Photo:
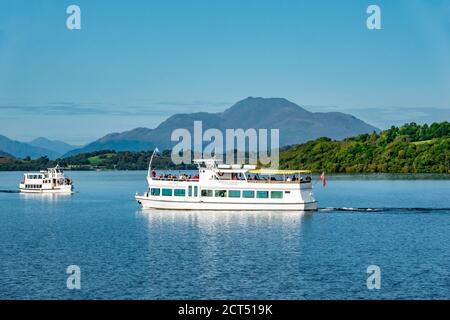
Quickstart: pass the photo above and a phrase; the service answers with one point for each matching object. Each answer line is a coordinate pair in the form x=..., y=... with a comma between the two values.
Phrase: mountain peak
x=58, y=147
x=259, y=104
x=296, y=125
x=21, y=149
x=262, y=113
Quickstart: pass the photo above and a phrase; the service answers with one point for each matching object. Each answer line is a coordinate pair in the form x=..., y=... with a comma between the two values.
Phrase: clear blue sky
x=134, y=63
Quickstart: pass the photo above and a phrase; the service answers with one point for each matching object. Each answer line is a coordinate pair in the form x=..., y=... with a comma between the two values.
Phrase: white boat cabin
x=219, y=186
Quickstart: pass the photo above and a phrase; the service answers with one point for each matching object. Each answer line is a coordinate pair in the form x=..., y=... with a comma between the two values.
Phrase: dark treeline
x=98, y=160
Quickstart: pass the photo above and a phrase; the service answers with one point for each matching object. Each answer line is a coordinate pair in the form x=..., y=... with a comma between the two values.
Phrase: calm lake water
x=399, y=223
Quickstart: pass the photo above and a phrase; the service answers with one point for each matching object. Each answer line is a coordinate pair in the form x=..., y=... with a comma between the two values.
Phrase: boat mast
x=151, y=160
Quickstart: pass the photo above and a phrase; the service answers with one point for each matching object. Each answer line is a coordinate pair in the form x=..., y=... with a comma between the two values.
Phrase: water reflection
x=224, y=250
x=45, y=197
x=208, y=219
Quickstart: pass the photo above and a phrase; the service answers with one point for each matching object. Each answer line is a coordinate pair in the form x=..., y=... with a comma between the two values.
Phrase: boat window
x=221, y=193
x=167, y=192
x=155, y=191
x=207, y=193
x=190, y=191
x=262, y=194
x=195, y=191
x=180, y=192
x=248, y=194
x=276, y=194
x=234, y=193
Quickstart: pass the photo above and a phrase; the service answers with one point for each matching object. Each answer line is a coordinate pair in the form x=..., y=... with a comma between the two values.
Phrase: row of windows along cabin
x=208, y=193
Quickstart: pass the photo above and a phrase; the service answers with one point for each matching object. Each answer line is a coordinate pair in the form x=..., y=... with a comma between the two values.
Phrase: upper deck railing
x=176, y=179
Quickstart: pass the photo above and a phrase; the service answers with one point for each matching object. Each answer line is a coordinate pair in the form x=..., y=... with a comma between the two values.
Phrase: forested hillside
x=411, y=148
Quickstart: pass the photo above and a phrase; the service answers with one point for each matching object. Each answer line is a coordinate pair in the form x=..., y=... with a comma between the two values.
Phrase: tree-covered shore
x=98, y=160
x=411, y=148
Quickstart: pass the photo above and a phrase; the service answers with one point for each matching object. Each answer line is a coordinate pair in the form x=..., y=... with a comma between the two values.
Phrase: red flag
x=322, y=177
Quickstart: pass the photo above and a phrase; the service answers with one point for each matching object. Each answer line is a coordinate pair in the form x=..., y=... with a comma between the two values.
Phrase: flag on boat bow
x=322, y=177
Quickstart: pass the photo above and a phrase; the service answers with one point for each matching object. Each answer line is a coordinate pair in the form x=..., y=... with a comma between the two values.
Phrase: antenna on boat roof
x=151, y=160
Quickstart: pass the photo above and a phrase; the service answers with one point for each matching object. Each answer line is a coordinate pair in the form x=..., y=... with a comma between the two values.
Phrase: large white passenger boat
x=230, y=187
x=51, y=180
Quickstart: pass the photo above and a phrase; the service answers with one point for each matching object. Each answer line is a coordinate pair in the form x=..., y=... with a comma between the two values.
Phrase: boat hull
x=149, y=203
x=67, y=190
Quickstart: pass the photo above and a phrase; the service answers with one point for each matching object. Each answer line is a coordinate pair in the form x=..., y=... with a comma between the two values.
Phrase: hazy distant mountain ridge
x=5, y=154
x=22, y=150
x=54, y=145
x=296, y=125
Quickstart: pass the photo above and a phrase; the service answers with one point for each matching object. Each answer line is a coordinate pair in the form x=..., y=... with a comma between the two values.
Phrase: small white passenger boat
x=230, y=187
x=51, y=180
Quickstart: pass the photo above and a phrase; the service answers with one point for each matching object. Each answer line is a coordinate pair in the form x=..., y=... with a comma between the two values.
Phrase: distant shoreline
x=410, y=149
x=334, y=175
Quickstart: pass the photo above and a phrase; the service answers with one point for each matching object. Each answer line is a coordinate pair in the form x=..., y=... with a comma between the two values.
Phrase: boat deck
x=249, y=181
